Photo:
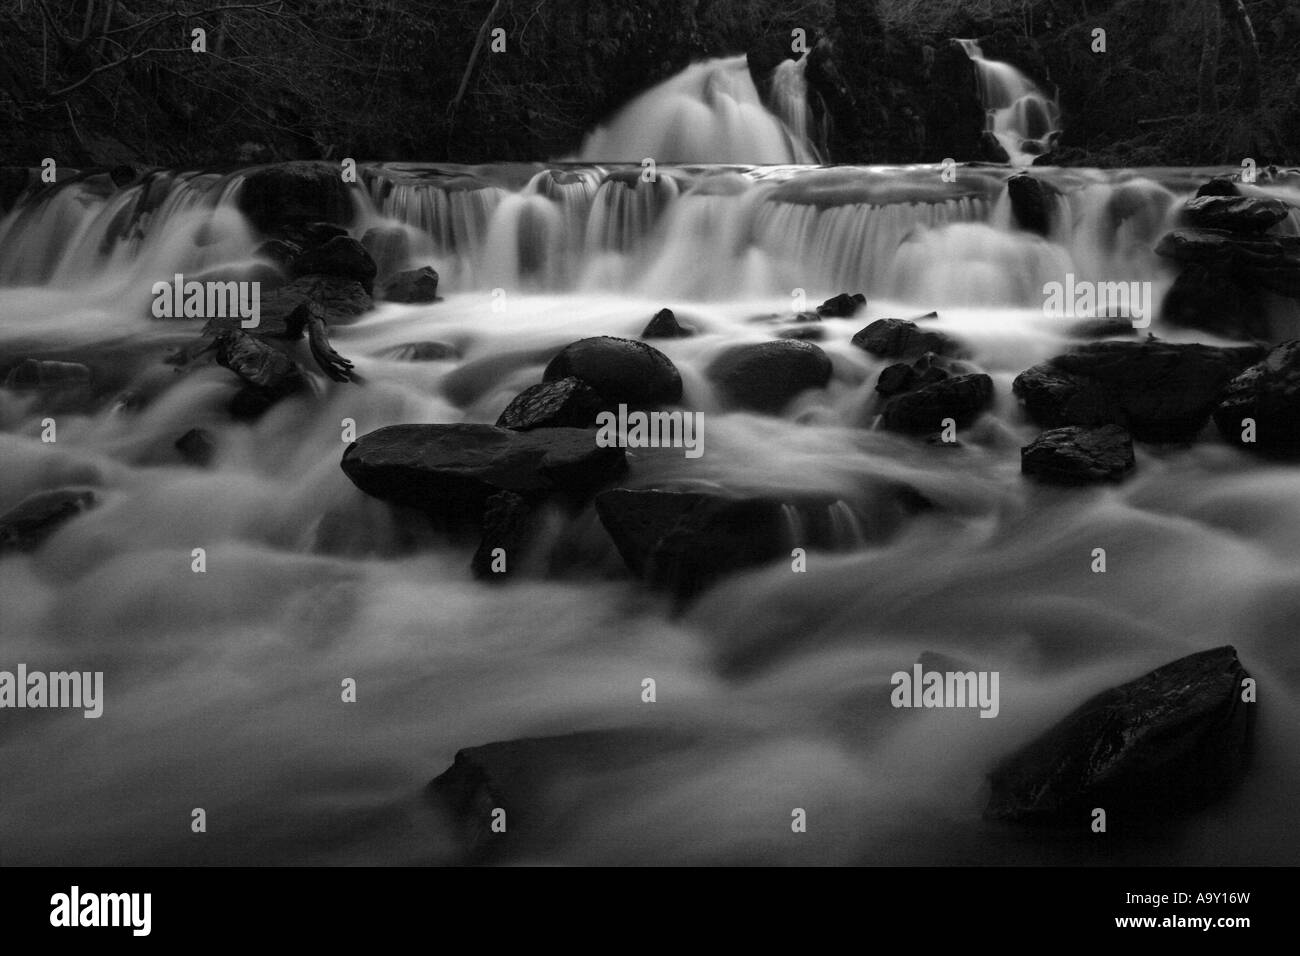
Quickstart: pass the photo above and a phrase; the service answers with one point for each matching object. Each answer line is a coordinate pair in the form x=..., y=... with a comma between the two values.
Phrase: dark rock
x=268, y=373
x=805, y=317
x=565, y=403
x=959, y=397
x=926, y=370
x=542, y=784
x=293, y=194
x=449, y=471
x=197, y=447
x=1219, y=186
x=1205, y=298
x=1031, y=203
x=765, y=377
x=1171, y=741
x=25, y=526
x=1269, y=393
x=896, y=378
x=339, y=299
x=1078, y=456
x=1159, y=391
x=1267, y=261
x=1236, y=213
x=623, y=371
x=1101, y=328
x=898, y=338
x=413, y=285
x=508, y=525
x=280, y=251
x=665, y=326
x=13, y=183
x=842, y=306
x=803, y=333
x=33, y=374
x=313, y=234
x=341, y=258
x=423, y=352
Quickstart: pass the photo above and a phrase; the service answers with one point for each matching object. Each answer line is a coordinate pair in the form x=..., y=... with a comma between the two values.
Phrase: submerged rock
x=803, y=333
x=25, y=526
x=423, y=352
x=197, y=447
x=1101, y=328
x=767, y=376
x=449, y=471
x=412, y=286
x=1269, y=394
x=623, y=371
x=1159, y=391
x=565, y=403
x=900, y=338
x=1078, y=456
x=507, y=526
x=34, y=374
x=1170, y=741
x=342, y=258
x=664, y=325
x=963, y=398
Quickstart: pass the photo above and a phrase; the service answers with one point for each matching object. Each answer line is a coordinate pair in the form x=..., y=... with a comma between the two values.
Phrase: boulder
x=665, y=326
x=1236, y=213
x=268, y=374
x=1206, y=298
x=963, y=398
x=449, y=471
x=341, y=258
x=1218, y=186
x=1168, y=742
x=765, y=377
x=412, y=286
x=1268, y=393
x=1078, y=456
x=623, y=371
x=1031, y=203
x=1159, y=391
x=900, y=338
x=566, y=403
x=293, y=194
x=901, y=377
x=842, y=306
x=25, y=526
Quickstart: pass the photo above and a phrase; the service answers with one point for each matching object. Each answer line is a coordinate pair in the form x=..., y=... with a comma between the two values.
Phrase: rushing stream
x=222, y=689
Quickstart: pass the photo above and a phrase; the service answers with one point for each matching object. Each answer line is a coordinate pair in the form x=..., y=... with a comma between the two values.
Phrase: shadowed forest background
x=100, y=82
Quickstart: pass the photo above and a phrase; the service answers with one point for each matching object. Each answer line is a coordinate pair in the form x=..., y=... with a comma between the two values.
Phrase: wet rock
x=423, y=352
x=665, y=326
x=341, y=258
x=33, y=374
x=269, y=375
x=803, y=333
x=1268, y=393
x=1101, y=328
x=842, y=306
x=623, y=371
x=508, y=526
x=1219, y=186
x=313, y=234
x=449, y=471
x=1236, y=213
x=412, y=286
x=279, y=251
x=902, y=377
x=963, y=398
x=25, y=526
x=1031, y=203
x=197, y=447
x=542, y=784
x=1205, y=298
x=900, y=338
x=1171, y=741
x=765, y=377
x=1159, y=391
x=339, y=299
x=566, y=403
x=896, y=378
x=1078, y=456
x=389, y=246
x=293, y=194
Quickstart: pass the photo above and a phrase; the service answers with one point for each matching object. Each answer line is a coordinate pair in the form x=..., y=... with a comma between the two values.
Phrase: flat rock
x=900, y=338
x=1236, y=213
x=1170, y=741
x=1159, y=391
x=623, y=371
x=765, y=377
x=1078, y=456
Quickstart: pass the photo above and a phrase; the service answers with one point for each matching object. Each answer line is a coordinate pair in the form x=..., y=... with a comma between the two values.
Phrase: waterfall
x=1020, y=115
x=709, y=112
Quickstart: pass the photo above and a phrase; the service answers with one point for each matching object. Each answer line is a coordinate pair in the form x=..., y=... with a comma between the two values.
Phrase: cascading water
x=222, y=688
x=710, y=112
x=1024, y=120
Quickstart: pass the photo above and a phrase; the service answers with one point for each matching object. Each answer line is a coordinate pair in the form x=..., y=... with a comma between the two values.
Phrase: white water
x=223, y=688
x=1022, y=118
x=708, y=113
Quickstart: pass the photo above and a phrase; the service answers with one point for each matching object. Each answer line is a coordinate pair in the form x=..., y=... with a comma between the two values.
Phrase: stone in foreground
x=623, y=371
x=1171, y=741
x=1078, y=456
